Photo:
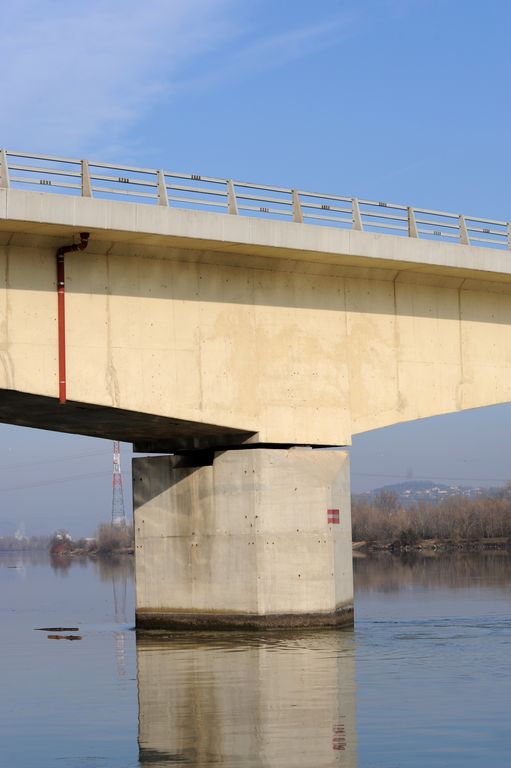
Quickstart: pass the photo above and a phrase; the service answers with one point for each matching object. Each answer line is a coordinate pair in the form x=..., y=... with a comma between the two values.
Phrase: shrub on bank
x=385, y=519
x=111, y=538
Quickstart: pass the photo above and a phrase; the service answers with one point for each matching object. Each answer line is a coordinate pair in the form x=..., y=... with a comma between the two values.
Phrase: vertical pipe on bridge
x=61, y=309
x=61, y=322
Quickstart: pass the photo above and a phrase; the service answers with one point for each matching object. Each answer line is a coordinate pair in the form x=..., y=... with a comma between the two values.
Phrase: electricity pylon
x=118, y=513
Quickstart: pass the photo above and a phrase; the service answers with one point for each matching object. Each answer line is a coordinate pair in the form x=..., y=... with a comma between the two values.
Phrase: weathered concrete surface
x=283, y=333
x=222, y=700
x=245, y=541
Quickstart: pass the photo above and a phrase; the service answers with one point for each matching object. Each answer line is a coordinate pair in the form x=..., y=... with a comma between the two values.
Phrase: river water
x=424, y=679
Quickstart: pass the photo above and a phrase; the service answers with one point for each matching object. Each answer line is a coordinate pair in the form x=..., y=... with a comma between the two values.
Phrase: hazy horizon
x=50, y=480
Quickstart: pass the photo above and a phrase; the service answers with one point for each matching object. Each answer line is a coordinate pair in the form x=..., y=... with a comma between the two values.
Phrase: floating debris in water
x=57, y=629
x=64, y=637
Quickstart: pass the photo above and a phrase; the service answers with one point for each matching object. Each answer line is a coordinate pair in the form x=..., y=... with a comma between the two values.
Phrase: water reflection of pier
x=247, y=700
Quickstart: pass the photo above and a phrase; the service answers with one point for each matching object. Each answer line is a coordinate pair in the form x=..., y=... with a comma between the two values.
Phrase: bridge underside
x=147, y=432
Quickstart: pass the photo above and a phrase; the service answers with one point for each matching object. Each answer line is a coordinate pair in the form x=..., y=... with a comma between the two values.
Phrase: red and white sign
x=333, y=516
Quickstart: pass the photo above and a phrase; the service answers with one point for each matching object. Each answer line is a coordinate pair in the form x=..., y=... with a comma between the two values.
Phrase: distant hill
x=411, y=491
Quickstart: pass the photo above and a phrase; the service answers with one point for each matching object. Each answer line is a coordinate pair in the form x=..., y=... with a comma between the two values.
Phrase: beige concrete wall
x=248, y=535
x=274, y=701
x=299, y=346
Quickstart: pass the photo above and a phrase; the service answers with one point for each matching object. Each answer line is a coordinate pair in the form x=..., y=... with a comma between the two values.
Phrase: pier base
x=259, y=538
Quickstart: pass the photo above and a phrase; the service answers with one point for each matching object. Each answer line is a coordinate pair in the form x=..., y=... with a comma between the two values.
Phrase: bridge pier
x=249, y=538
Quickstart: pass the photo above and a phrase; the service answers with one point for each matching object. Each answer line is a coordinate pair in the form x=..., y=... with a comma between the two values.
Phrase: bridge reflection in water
x=247, y=700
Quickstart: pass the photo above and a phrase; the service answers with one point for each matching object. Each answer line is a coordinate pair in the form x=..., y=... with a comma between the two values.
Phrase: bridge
x=246, y=332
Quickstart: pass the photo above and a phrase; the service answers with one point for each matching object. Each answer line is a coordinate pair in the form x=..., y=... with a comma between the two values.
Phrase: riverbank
x=94, y=553
x=435, y=545
x=456, y=522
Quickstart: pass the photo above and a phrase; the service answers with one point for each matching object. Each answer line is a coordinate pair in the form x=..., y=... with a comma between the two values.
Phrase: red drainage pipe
x=61, y=308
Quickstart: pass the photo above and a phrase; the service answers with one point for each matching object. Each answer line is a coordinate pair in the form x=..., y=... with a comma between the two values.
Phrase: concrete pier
x=252, y=538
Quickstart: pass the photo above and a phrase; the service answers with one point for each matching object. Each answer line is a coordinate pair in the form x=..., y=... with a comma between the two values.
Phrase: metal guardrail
x=24, y=170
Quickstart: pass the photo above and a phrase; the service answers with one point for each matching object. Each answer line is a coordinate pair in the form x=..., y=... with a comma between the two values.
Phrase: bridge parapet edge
x=86, y=178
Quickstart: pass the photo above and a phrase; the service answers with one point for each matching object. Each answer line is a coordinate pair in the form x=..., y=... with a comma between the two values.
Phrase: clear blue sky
x=399, y=100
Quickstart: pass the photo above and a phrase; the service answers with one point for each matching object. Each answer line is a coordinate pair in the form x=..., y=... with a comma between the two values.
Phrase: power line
x=42, y=462
x=435, y=478
x=56, y=481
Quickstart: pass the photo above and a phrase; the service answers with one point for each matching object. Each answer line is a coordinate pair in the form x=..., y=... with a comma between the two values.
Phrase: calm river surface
x=423, y=680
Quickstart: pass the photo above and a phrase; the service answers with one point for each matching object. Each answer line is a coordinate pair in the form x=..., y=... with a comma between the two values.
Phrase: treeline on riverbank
x=109, y=539
x=385, y=521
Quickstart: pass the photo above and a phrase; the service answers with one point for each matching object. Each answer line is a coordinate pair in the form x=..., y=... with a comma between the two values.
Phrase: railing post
x=412, y=223
x=163, y=198
x=232, y=203
x=86, y=182
x=297, y=208
x=464, y=238
x=4, y=170
x=509, y=235
x=357, y=218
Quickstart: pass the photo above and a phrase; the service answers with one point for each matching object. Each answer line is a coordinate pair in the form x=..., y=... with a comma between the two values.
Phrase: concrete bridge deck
x=243, y=264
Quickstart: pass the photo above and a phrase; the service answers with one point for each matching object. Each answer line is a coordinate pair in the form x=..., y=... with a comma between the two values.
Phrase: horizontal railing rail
x=26, y=170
